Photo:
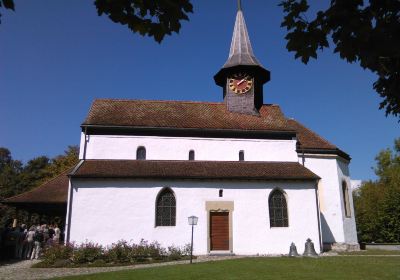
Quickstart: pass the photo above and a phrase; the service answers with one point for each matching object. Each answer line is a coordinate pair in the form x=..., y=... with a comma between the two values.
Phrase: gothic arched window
x=278, y=214
x=165, y=208
x=141, y=153
x=346, y=201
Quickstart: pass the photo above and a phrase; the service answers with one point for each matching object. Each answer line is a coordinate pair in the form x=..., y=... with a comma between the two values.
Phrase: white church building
x=256, y=180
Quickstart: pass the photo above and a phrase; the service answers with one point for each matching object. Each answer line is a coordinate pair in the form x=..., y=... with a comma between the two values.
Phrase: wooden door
x=219, y=231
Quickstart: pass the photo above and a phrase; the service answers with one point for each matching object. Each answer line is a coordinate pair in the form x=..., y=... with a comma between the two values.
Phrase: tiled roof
x=181, y=114
x=201, y=115
x=309, y=140
x=166, y=169
x=53, y=191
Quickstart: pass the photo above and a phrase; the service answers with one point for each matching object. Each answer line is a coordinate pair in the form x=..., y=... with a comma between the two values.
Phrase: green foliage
x=377, y=203
x=147, y=17
x=16, y=178
x=120, y=253
x=361, y=32
x=87, y=253
x=7, y=4
x=55, y=253
x=176, y=253
x=123, y=252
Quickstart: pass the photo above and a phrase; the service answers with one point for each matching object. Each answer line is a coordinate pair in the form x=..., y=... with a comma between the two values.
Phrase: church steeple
x=242, y=61
x=241, y=52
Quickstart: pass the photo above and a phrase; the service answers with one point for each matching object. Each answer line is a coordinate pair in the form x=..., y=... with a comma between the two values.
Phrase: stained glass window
x=278, y=214
x=165, y=208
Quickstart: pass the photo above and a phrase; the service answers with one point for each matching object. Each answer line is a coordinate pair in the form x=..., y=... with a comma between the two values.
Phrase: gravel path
x=22, y=270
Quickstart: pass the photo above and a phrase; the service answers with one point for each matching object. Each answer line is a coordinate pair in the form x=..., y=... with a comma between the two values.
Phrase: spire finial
x=239, y=5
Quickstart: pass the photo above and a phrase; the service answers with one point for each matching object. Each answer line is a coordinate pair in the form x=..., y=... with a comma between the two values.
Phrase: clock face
x=240, y=83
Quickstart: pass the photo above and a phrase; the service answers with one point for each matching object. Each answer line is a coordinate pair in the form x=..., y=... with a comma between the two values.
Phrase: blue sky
x=56, y=57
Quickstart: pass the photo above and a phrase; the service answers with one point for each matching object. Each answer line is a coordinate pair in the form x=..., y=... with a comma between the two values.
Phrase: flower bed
x=120, y=253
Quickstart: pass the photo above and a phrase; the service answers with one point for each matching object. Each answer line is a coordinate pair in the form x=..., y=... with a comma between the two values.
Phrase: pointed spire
x=241, y=52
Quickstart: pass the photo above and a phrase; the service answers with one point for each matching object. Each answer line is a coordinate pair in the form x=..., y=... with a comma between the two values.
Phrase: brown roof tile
x=309, y=140
x=165, y=169
x=201, y=115
x=53, y=191
x=182, y=114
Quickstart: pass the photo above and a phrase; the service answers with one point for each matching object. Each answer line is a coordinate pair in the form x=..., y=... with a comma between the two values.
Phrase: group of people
x=22, y=242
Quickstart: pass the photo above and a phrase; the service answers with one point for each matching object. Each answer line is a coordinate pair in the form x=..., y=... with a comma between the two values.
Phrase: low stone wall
x=341, y=247
x=381, y=246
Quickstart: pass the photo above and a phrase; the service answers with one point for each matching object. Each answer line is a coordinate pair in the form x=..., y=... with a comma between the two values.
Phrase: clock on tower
x=242, y=76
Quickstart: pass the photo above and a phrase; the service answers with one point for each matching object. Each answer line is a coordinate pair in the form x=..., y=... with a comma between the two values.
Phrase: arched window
x=346, y=202
x=241, y=155
x=191, y=155
x=141, y=153
x=278, y=214
x=165, y=208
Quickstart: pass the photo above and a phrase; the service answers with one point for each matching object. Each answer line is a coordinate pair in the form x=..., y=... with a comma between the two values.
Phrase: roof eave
x=202, y=132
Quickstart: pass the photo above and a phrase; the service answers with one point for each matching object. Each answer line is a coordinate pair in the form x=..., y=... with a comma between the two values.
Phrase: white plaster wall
x=349, y=223
x=335, y=226
x=105, y=211
x=177, y=148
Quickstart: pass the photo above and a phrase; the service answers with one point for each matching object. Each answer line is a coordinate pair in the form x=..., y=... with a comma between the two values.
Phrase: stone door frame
x=220, y=206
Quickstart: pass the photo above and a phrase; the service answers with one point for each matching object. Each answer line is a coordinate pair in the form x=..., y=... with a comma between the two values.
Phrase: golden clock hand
x=240, y=82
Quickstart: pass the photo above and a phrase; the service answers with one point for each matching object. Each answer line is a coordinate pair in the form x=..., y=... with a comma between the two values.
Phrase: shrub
x=87, y=253
x=144, y=250
x=155, y=251
x=55, y=253
x=120, y=252
x=176, y=253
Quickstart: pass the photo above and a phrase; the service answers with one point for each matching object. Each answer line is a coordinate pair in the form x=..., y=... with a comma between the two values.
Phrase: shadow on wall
x=327, y=235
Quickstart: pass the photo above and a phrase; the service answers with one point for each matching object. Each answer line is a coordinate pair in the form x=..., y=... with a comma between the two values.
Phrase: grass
x=370, y=253
x=352, y=267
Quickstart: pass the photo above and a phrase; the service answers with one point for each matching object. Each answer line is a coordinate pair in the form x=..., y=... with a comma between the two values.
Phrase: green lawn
x=268, y=268
x=370, y=252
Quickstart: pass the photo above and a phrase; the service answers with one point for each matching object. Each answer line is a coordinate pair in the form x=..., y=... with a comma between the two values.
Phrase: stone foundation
x=341, y=247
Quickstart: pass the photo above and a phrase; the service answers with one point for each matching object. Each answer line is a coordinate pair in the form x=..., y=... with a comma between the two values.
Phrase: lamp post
x=192, y=221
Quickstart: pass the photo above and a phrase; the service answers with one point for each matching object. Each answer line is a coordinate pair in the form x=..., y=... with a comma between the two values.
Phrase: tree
x=146, y=17
x=367, y=33
x=377, y=203
x=16, y=178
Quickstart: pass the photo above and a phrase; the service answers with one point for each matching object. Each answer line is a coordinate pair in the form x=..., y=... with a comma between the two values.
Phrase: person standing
x=29, y=242
x=56, y=236
x=37, y=239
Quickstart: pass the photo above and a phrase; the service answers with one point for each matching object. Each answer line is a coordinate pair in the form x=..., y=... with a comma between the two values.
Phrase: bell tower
x=242, y=77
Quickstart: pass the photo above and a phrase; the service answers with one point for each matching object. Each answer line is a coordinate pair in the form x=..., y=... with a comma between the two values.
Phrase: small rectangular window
x=221, y=193
x=191, y=155
x=241, y=155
